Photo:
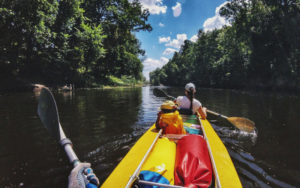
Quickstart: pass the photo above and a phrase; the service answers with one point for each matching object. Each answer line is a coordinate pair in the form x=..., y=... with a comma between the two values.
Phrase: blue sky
x=174, y=21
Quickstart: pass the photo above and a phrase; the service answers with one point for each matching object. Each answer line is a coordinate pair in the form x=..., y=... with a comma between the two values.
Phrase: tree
x=80, y=42
x=119, y=19
x=261, y=48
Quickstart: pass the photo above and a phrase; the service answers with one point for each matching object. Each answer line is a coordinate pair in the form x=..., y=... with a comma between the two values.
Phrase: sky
x=173, y=22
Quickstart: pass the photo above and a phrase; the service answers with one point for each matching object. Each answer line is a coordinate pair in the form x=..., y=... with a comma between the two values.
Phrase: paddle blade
x=241, y=123
x=160, y=93
x=48, y=113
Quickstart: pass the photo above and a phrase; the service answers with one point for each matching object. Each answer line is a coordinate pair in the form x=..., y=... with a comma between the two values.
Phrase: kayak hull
x=161, y=160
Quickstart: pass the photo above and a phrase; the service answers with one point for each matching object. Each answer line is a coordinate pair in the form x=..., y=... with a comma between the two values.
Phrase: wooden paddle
x=48, y=113
x=241, y=123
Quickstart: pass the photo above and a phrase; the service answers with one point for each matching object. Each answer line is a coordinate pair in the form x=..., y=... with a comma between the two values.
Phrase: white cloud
x=176, y=43
x=164, y=39
x=177, y=10
x=154, y=6
x=217, y=21
x=169, y=51
x=194, y=38
x=152, y=64
x=161, y=24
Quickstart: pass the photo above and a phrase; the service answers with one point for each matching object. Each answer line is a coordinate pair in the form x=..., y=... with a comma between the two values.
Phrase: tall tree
x=119, y=19
x=261, y=48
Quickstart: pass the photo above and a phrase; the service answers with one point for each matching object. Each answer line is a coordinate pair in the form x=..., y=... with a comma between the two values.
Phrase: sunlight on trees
x=260, y=49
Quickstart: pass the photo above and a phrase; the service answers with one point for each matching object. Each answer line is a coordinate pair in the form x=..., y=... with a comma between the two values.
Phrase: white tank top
x=184, y=102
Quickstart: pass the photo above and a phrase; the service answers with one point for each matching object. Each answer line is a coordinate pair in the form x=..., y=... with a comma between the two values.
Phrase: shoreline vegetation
x=18, y=85
x=70, y=42
x=260, y=49
x=21, y=86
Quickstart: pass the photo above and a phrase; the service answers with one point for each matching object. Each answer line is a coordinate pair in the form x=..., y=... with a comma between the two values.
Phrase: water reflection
x=274, y=144
x=104, y=124
x=252, y=171
x=68, y=95
x=252, y=175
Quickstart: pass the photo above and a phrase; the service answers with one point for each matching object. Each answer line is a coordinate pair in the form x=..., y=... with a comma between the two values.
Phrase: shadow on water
x=250, y=171
x=104, y=124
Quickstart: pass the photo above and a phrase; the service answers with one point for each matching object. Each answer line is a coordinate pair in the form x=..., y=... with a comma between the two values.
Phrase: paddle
x=160, y=93
x=241, y=123
x=48, y=113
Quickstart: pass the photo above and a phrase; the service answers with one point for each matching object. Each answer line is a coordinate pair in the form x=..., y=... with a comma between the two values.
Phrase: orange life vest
x=171, y=123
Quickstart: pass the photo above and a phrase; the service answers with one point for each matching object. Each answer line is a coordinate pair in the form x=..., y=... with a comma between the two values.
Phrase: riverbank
x=8, y=85
x=19, y=85
x=22, y=86
x=26, y=86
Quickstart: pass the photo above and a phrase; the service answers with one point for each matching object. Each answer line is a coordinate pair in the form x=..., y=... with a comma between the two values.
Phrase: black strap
x=185, y=111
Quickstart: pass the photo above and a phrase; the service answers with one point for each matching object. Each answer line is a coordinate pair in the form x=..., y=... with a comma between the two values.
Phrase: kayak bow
x=160, y=162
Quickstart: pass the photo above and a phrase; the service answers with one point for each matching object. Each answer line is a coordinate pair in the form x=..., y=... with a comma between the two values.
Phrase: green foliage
x=119, y=19
x=70, y=41
x=260, y=49
x=123, y=81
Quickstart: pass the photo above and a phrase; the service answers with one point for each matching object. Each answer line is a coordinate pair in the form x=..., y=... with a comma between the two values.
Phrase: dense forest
x=261, y=49
x=83, y=42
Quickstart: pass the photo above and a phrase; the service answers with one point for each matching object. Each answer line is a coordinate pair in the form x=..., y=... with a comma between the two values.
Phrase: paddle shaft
x=216, y=114
x=48, y=113
x=67, y=145
x=134, y=176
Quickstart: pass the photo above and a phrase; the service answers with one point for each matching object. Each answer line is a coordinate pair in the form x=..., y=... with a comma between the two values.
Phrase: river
x=104, y=124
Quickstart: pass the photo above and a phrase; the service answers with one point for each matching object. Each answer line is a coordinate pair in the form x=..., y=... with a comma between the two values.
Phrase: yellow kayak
x=154, y=156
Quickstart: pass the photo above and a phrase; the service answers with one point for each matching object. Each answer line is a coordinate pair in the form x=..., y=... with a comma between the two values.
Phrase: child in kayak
x=185, y=105
x=169, y=119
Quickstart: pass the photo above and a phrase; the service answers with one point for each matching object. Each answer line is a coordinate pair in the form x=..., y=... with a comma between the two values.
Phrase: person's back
x=185, y=105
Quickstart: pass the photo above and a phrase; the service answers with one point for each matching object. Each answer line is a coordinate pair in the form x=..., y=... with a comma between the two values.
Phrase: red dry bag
x=193, y=166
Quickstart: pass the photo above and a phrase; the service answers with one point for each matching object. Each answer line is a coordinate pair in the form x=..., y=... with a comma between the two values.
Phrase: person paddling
x=185, y=105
